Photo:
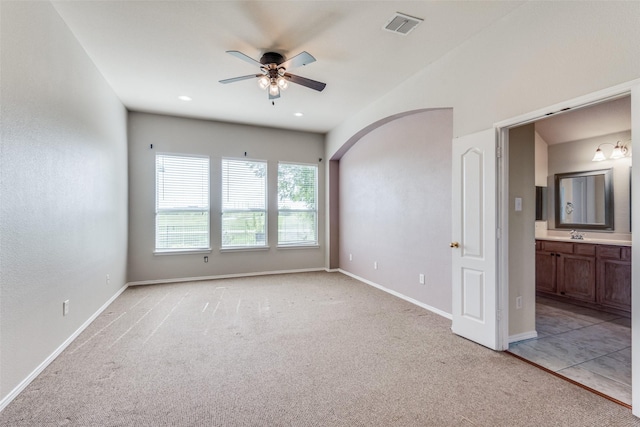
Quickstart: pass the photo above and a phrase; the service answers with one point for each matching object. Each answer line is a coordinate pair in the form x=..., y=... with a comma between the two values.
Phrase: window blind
x=244, y=203
x=182, y=202
x=297, y=204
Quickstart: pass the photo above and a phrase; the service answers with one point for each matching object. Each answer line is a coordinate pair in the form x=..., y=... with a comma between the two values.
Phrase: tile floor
x=588, y=346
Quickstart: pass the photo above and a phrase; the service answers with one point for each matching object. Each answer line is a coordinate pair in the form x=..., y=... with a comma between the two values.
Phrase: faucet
x=576, y=235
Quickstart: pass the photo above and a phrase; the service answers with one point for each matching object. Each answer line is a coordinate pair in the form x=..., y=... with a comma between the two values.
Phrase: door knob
x=454, y=245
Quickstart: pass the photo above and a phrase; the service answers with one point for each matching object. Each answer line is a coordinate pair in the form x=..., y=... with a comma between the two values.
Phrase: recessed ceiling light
x=184, y=98
x=298, y=114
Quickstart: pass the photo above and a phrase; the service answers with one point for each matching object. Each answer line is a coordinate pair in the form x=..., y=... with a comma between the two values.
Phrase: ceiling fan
x=273, y=72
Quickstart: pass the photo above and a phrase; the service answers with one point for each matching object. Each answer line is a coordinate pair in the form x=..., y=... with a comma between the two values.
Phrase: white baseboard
x=399, y=295
x=223, y=276
x=523, y=336
x=24, y=383
x=332, y=270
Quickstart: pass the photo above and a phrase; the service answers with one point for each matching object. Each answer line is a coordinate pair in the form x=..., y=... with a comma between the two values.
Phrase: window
x=244, y=203
x=297, y=204
x=182, y=202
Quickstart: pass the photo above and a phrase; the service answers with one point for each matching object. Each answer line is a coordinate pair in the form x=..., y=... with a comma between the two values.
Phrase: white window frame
x=304, y=210
x=204, y=208
x=226, y=210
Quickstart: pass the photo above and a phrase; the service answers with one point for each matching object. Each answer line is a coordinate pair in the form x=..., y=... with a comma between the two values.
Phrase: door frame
x=502, y=130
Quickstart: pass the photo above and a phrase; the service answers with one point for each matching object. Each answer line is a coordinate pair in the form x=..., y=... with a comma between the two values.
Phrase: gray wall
x=522, y=230
x=63, y=188
x=576, y=157
x=216, y=140
x=395, y=207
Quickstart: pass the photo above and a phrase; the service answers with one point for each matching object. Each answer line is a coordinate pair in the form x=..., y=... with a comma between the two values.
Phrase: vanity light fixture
x=619, y=151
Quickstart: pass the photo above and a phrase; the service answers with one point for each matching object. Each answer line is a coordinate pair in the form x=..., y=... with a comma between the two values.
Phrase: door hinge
x=499, y=315
x=499, y=152
x=498, y=233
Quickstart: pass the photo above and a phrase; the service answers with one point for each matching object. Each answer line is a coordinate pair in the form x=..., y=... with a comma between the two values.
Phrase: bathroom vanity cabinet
x=593, y=275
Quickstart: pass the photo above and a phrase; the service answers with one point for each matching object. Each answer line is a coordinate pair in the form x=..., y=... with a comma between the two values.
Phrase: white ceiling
x=597, y=120
x=151, y=52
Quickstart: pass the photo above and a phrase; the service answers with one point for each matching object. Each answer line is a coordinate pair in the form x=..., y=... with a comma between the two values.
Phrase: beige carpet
x=314, y=349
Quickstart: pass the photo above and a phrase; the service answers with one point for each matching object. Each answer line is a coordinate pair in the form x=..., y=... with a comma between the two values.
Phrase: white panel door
x=473, y=243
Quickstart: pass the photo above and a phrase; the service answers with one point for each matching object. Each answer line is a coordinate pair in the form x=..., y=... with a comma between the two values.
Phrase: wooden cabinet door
x=615, y=284
x=546, y=272
x=577, y=277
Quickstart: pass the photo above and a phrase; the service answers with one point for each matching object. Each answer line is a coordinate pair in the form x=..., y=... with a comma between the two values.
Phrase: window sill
x=162, y=252
x=244, y=248
x=300, y=246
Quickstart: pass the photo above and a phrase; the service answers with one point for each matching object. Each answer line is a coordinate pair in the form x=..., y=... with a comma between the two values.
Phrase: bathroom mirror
x=584, y=200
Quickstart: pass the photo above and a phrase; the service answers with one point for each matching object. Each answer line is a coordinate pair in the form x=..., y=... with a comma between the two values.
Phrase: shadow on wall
x=394, y=205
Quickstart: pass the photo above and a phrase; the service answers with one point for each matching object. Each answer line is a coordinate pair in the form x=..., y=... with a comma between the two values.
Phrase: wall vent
x=402, y=24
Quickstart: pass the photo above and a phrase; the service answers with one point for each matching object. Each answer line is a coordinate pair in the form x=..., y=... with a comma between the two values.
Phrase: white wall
x=216, y=140
x=63, y=189
x=395, y=204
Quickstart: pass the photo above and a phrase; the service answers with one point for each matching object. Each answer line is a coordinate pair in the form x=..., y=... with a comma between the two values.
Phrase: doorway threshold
x=556, y=374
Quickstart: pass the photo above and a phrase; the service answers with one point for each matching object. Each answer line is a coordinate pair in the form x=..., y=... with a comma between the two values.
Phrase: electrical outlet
x=108, y=279
x=518, y=303
x=421, y=278
x=375, y=265
x=206, y=259
x=350, y=257
x=65, y=307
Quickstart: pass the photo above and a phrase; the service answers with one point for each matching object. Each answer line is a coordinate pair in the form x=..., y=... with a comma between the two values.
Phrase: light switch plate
x=518, y=204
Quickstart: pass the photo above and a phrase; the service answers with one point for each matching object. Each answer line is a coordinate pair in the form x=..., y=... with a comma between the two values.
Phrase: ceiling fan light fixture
x=274, y=77
x=264, y=82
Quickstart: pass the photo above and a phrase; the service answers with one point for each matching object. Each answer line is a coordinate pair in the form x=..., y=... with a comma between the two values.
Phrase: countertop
x=617, y=239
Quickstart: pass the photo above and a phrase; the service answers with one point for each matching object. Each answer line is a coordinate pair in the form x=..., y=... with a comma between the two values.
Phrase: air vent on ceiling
x=402, y=24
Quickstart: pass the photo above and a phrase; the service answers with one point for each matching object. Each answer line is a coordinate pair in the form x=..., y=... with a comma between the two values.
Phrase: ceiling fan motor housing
x=271, y=58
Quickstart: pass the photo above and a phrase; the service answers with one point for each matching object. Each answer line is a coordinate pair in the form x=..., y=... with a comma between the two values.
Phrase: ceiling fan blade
x=244, y=57
x=237, y=79
x=311, y=84
x=303, y=58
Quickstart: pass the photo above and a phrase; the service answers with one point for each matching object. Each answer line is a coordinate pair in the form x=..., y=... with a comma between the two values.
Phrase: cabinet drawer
x=564, y=247
x=584, y=249
x=609, y=252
